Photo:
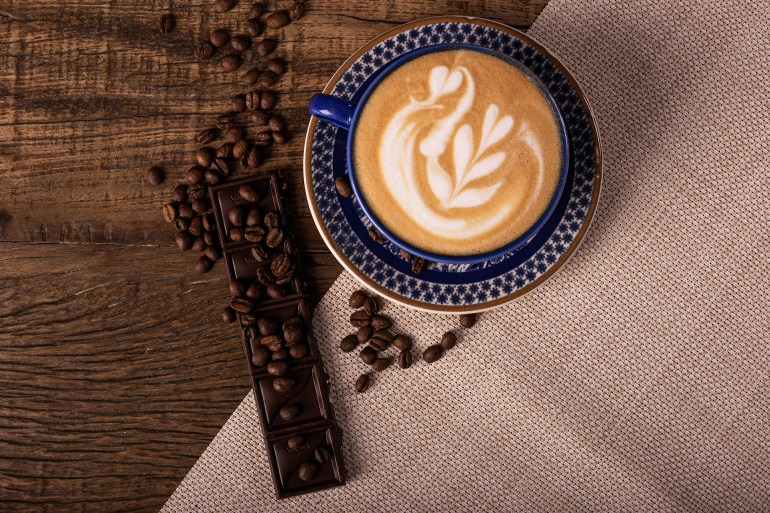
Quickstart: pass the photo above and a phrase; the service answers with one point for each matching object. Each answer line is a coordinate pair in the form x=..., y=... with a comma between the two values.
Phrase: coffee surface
x=457, y=152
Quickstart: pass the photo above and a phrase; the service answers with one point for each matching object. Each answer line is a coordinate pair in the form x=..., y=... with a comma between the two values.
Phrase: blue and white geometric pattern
x=453, y=284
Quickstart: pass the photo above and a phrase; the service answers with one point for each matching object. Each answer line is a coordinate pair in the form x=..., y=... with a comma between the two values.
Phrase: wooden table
x=115, y=368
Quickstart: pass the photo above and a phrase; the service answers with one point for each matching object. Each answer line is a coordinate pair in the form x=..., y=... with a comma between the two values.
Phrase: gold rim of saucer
x=448, y=309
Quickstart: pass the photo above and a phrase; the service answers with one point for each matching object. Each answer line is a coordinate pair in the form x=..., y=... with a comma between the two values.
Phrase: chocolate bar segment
x=290, y=382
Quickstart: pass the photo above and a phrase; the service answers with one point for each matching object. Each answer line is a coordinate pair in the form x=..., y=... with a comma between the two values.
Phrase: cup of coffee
x=456, y=154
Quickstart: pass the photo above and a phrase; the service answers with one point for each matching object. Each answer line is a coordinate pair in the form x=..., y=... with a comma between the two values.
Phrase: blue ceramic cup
x=344, y=114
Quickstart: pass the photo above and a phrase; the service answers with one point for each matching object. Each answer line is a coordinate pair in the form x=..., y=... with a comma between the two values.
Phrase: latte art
x=465, y=161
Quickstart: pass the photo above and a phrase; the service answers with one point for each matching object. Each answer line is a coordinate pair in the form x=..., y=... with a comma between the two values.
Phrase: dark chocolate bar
x=290, y=383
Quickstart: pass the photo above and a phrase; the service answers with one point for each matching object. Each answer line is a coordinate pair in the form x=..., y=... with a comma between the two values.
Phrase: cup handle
x=332, y=109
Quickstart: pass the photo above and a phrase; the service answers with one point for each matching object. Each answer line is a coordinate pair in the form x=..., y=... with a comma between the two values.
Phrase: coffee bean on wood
x=166, y=23
x=278, y=19
x=221, y=6
x=297, y=10
x=155, y=175
x=203, y=265
x=254, y=27
x=219, y=37
x=240, y=43
x=180, y=193
x=203, y=50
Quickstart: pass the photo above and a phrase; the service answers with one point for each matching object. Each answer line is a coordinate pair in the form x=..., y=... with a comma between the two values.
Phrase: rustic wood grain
x=115, y=370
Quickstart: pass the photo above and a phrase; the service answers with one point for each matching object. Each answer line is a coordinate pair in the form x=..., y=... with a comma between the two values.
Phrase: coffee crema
x=457, y=152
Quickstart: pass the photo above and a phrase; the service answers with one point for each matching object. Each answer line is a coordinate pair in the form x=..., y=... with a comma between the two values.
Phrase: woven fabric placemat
x=638, y=378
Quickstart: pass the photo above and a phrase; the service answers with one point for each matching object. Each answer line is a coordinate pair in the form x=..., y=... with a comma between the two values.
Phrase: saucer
x=452, y=288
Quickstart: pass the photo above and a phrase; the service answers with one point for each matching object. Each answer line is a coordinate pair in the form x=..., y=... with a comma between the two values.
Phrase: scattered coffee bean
x=260, y=117
x=210, y=239
x=254, y=233
x=467, y=320
x=248, y=320
x=283, y=384
x=263, y=138
x=240, y=43
x=280, y=265
x=254, y=218
x=196, y=191
x=274, y=238
x=277, y=66
x=298, y=351
x=185, y=210
x=238, y=288
x=289, y=412
x=322, y=454
x=254, y=291
x=254, y=157
x=199, y=245
x=223, y=5
x=219, y=37
x=307, y=471
x=433, y=353
x=203, y=265
x=166, y=23
x=259, y=253
x=225, y=121
x=343, y=186
x=231, y=62
x=277, y=368
x=448, y=340
x=203, y=50
x=349, y=343
x=184, y=240
x=294, y=442
x=405, y=359
x=278, y=19
x=248, y=193
x=284, y=278
x=200, y=206
x=271, y=220
x=206, y=136
x=170, y=212
x=242, y=304
x=225, y=151
x=252, y=100
x=360, y=318
x=260, y=357
x=254, y=27
x=368, y=355
x=380, y=322
x=281, y=354
x=402, y=342
x=256, y=10
x=266, y=326
x=233, y=135
x=236, y=216
x=268, y=100
x=155, y=175
x=196, y=226
x=279, y=138
x=272, y=342
x=292, y=335
x=182, y=224
x=236, y=234
x=212, y=253
x=228, y=315
x=266, y=78
x=380, y=364
x=180, y=193
x=297, y=10
x=405, y=254
x=238, y=103
x=264, y=47
x=240, y=148
x=362, y=383
x=204, y=156
x=375, y=234
x=292, y=322
x=363, y=334
x=419, y=265
x=357, y=299
x=263, y=276
x=276, y=124
x=194, y=174
x=370, y=305
x=275, y=292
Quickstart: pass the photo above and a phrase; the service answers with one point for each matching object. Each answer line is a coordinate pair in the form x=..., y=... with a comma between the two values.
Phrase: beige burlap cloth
x=638, y=378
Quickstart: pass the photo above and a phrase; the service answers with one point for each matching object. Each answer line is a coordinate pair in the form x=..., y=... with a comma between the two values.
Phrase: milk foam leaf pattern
x=439, y=181
x=463, y=149
x=473, y=197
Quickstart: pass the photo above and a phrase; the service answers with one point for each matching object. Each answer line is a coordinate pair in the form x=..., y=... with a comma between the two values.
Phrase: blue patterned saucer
x=452, y=288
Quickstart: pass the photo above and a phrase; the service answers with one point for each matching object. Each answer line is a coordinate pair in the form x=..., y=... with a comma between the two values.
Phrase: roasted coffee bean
x=274, y=238
x=256, y=10
x=277, y=66
x=419, y=265
x=288, y=247
x=194, y=174
x=362, y=383
x=254, y=291
x=271, y=220
x=203, y=50
x=405, y=359
x=308, y=471
x=233, y=135
x=236, y=216
x=297, y=10
x=292, y=335
x=379, y=345
x=196, y=226
x=284, y=279
x=203, y=265
x=283, y=384
x=252, y=100
x=259, y=253
x=289, y=412
x=275, y=291
x=467, y=320
x=231, y=62
x=238, y=103
x=182, y=224
x=360, y=318
x=402, y=342
x=381, y=322
x=225, y=121
x=433, y=353
x=272, y=342
x=375, y=234
x=228, y=314
x=260, y=356
x=280, y=265
x=268, y=100
x=295, y=321
x=278, y=19
x=370, y=305
x=264, y=277
x=180, y=193
x=235, y=234
x=381, y=340
x=240, y=43
x=260, y=117
x=212, y=253
x=225, y=151
x=363, y=334
x=254, y=218
x=265, y=47
x=263, y=138
x=199, y=245
x=237, y=288
x=223, y=5
x=204, y=156
x=242, y=304
x=208, y=221
x=219, y=37
x=294, y=442
x=368, y=355
x=383, y=334
x=196, y=191
x=240, y=148
x=298, y=351
x=254, y=233
x=267, y=326
x=184, y=240
x=254, y=157
x=248, y=320
x=200, y=206
x=166, y=23
x=276, y=124
x=357, y=299
x=155, y=175
x=404, y=254
x=349, y=343
x=248, y=193
x=210, y=239
x=250, y=78
x=170, y=212
x=185, y=210
x=254, y=27
x=266, y=79
x=281, y=354
x=448, y=340
x=279, y=368
x=279, y=137
x=322, y=454
x=206, y=136
x=343, y=186
x=380, y=364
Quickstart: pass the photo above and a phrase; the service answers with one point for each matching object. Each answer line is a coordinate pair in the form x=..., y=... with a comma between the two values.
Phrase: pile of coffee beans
x=274, y=344
x=373, y=332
